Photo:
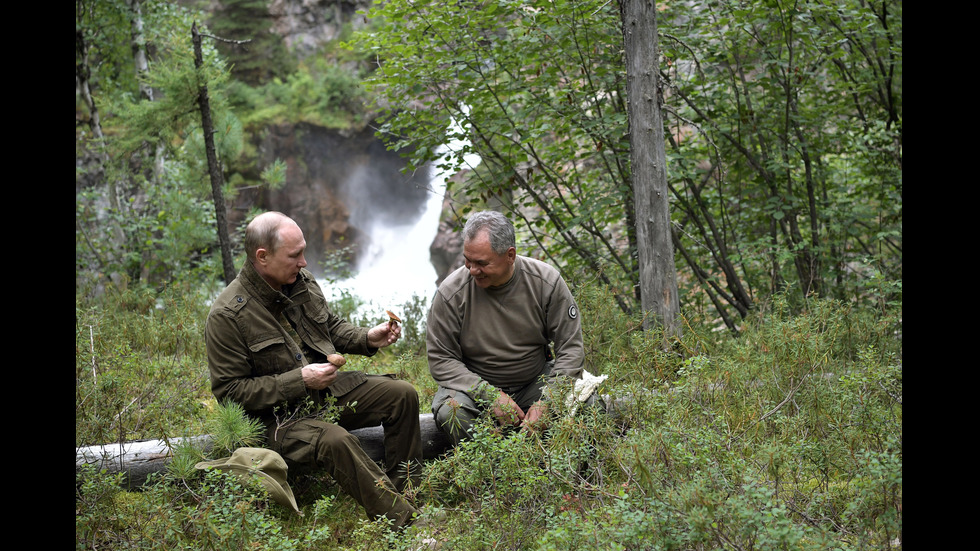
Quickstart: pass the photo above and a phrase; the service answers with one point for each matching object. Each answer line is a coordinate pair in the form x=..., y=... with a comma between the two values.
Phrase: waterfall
x=397, y=265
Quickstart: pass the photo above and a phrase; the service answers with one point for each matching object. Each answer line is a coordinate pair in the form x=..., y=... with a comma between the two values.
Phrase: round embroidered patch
x=572, y=312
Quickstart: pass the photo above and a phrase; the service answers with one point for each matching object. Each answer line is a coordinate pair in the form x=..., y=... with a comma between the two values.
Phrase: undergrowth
x=788, y=436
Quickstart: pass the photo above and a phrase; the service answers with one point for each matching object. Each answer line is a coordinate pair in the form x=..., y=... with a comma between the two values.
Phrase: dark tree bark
x=655, y=249
x=214, y=168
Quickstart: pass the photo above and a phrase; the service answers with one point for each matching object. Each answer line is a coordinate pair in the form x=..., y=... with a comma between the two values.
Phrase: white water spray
x=397, y=265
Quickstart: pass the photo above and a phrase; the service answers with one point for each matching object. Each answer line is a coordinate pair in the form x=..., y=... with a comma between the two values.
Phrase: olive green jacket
x=251, y=357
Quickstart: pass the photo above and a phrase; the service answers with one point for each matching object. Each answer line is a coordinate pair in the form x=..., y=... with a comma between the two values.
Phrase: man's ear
x=261, y=255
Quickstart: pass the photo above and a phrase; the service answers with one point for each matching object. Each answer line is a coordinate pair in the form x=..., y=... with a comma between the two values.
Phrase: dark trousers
x=312, y=443
x=455, y=412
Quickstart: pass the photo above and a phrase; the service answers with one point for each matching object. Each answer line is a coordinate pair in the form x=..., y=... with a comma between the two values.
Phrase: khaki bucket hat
x=268, y=465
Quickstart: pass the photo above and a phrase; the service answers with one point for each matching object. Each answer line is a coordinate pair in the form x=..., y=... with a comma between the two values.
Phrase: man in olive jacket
x=269, y=335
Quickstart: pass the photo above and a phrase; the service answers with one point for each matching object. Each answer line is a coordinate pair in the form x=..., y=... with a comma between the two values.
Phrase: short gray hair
x=499, y=229
x=263, y=232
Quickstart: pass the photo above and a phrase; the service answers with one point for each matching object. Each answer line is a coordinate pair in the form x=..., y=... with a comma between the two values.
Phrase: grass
x=786, y=437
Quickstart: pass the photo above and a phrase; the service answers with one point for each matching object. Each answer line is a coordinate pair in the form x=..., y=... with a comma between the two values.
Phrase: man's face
x=282, y=267
x=487, y=268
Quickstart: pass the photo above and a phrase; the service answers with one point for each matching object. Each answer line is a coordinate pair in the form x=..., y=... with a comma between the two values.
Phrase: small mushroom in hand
x=336, y=359
x=393, y=318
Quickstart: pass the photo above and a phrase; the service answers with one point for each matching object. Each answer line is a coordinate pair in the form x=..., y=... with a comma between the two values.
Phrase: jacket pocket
x=346, y=382
x=297, y=443
x=269, y=355
x=316, y=310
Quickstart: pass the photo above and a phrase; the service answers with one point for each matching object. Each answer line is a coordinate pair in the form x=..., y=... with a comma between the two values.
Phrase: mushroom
x=393, y=318
x=336, y=359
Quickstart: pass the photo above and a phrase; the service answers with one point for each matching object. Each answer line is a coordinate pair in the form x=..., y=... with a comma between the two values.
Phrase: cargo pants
x=455, y=412
x=315, y=444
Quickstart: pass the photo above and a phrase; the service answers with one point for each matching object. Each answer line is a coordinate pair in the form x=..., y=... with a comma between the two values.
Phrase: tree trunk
x=214, y=168
x=655, y=249
x=141, y=60
x=137, y=44
x=139, y=459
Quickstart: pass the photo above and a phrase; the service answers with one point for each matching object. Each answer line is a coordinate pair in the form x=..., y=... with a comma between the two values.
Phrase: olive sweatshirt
x=479, y=340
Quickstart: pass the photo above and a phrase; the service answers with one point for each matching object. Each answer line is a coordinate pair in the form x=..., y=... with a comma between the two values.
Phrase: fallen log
x=138, y=459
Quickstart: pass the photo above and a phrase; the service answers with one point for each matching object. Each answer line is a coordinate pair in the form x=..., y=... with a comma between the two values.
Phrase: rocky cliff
x=305, y=25
x=339, y=183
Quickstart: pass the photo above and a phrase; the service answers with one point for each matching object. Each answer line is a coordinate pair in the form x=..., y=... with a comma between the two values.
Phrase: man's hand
x=534, y=420
x=384, y=334
x=319, y=376
x=506, y=410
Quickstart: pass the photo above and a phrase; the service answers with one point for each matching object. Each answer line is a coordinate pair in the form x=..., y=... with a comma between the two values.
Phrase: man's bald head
x=263, y=232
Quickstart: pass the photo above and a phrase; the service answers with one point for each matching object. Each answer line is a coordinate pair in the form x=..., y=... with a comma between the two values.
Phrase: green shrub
x=140, y=370
x=788, y=436
x=231, y=428
x=318, y=93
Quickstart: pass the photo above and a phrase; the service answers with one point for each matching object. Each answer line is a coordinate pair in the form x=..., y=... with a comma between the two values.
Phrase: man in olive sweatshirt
x=490, y=329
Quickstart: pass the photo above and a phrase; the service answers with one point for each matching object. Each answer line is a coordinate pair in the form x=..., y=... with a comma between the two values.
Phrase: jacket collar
x=272, y=299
